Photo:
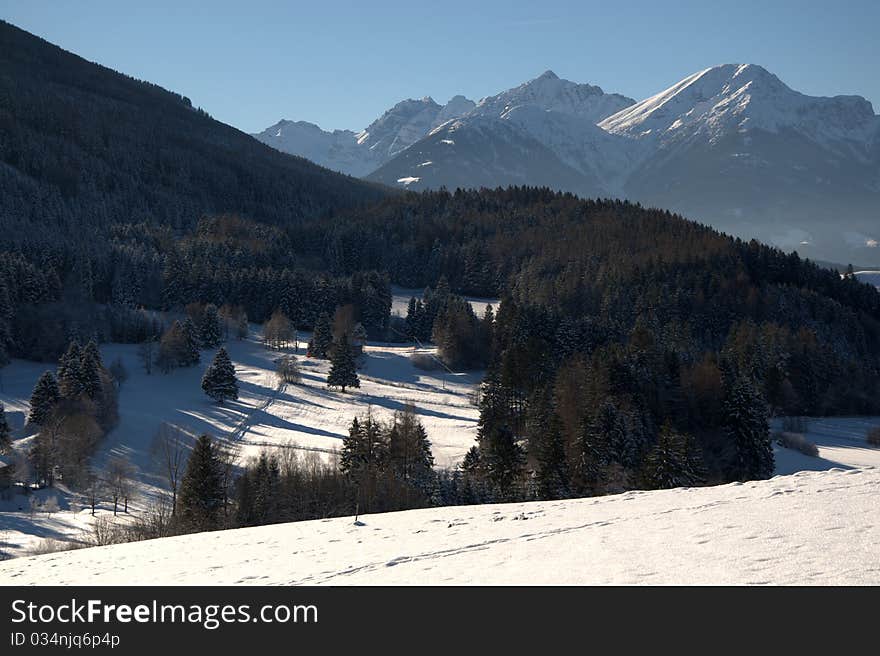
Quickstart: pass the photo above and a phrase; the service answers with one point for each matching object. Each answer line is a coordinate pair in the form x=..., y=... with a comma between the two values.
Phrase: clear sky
x=341, y=64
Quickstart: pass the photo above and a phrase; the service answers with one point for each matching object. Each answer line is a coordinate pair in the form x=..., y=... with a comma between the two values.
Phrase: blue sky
x=341, y=64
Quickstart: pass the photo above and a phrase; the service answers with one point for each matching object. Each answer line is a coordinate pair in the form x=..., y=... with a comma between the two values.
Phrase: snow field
x=807, y=528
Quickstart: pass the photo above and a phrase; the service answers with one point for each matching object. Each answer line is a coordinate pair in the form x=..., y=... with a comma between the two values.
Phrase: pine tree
x=5, y=433
x=90, y=366
x=471, y=463
x=672, y=462
x=201, y=488
x=189, y=354
x=70, y=381
x=343, y=368
x=322, y=337
x=219, y=381
x=265, y=488
x=210, y=333
x=44, y=398
x=594, y=452
x=244, y=511
x=409, y=453
x=747, y=426
x=363, y=457
x=349, y=456
x=552, y=474
x=503, y=459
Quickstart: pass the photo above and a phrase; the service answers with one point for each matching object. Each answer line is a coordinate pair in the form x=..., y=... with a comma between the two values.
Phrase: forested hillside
x=90, y=157
x=632, y=347
x=83, y=147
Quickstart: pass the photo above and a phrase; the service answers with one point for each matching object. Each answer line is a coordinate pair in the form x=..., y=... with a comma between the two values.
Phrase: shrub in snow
x=874, y=437
x=424, y=361
x=798, y=442
x=287, y=369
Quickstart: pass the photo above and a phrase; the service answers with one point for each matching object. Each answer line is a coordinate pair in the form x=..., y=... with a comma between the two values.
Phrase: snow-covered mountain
x=542, y=132
x=336, y=150
x=731, y=146
x=734, y=146
x=360, y=153
x=479, y=151
x=740, y=98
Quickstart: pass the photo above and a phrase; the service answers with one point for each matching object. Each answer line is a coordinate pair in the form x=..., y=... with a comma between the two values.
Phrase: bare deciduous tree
x=147, y=354
x=170, y=448
x=118, y=479
x=93, y=490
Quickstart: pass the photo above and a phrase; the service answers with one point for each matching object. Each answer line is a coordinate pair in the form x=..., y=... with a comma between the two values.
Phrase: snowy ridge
x=808, y=528
x=552, y=94
x=742, y=97
x=359, y=153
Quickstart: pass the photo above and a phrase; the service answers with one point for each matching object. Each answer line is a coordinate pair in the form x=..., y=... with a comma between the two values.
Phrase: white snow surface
x=808, y=528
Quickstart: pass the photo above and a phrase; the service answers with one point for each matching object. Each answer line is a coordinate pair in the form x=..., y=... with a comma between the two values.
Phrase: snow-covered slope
x=735, y=147
x=336, y=150
x=306, y=416
x=872, y=277
x=542, y=132
x=740, y=98
x=809, y=528
x=481, y=151
x=552, y=94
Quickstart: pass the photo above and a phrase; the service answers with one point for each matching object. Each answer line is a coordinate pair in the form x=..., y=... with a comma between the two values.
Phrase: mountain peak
x=548, y=75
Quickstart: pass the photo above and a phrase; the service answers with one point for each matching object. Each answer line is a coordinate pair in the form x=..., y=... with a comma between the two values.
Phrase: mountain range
x=731, y=146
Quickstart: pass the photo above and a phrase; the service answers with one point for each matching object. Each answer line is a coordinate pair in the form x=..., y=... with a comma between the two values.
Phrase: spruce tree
x=201, y=488
x=673, y=462
x=594, y=451
x=44, y=398
x=244, y=511
x=265, y=489
x=5, y=433
x=349, y=456
x=219, y=381
x=503, y=459
x=409, y=453
x=321, y=343
x=189, y=354
x=552, y=474
x=210, y=333
x=747, y=427
x=343, y=368
x=70, y=381
x=363, y=457
x=470, y=465
x=90, y=366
